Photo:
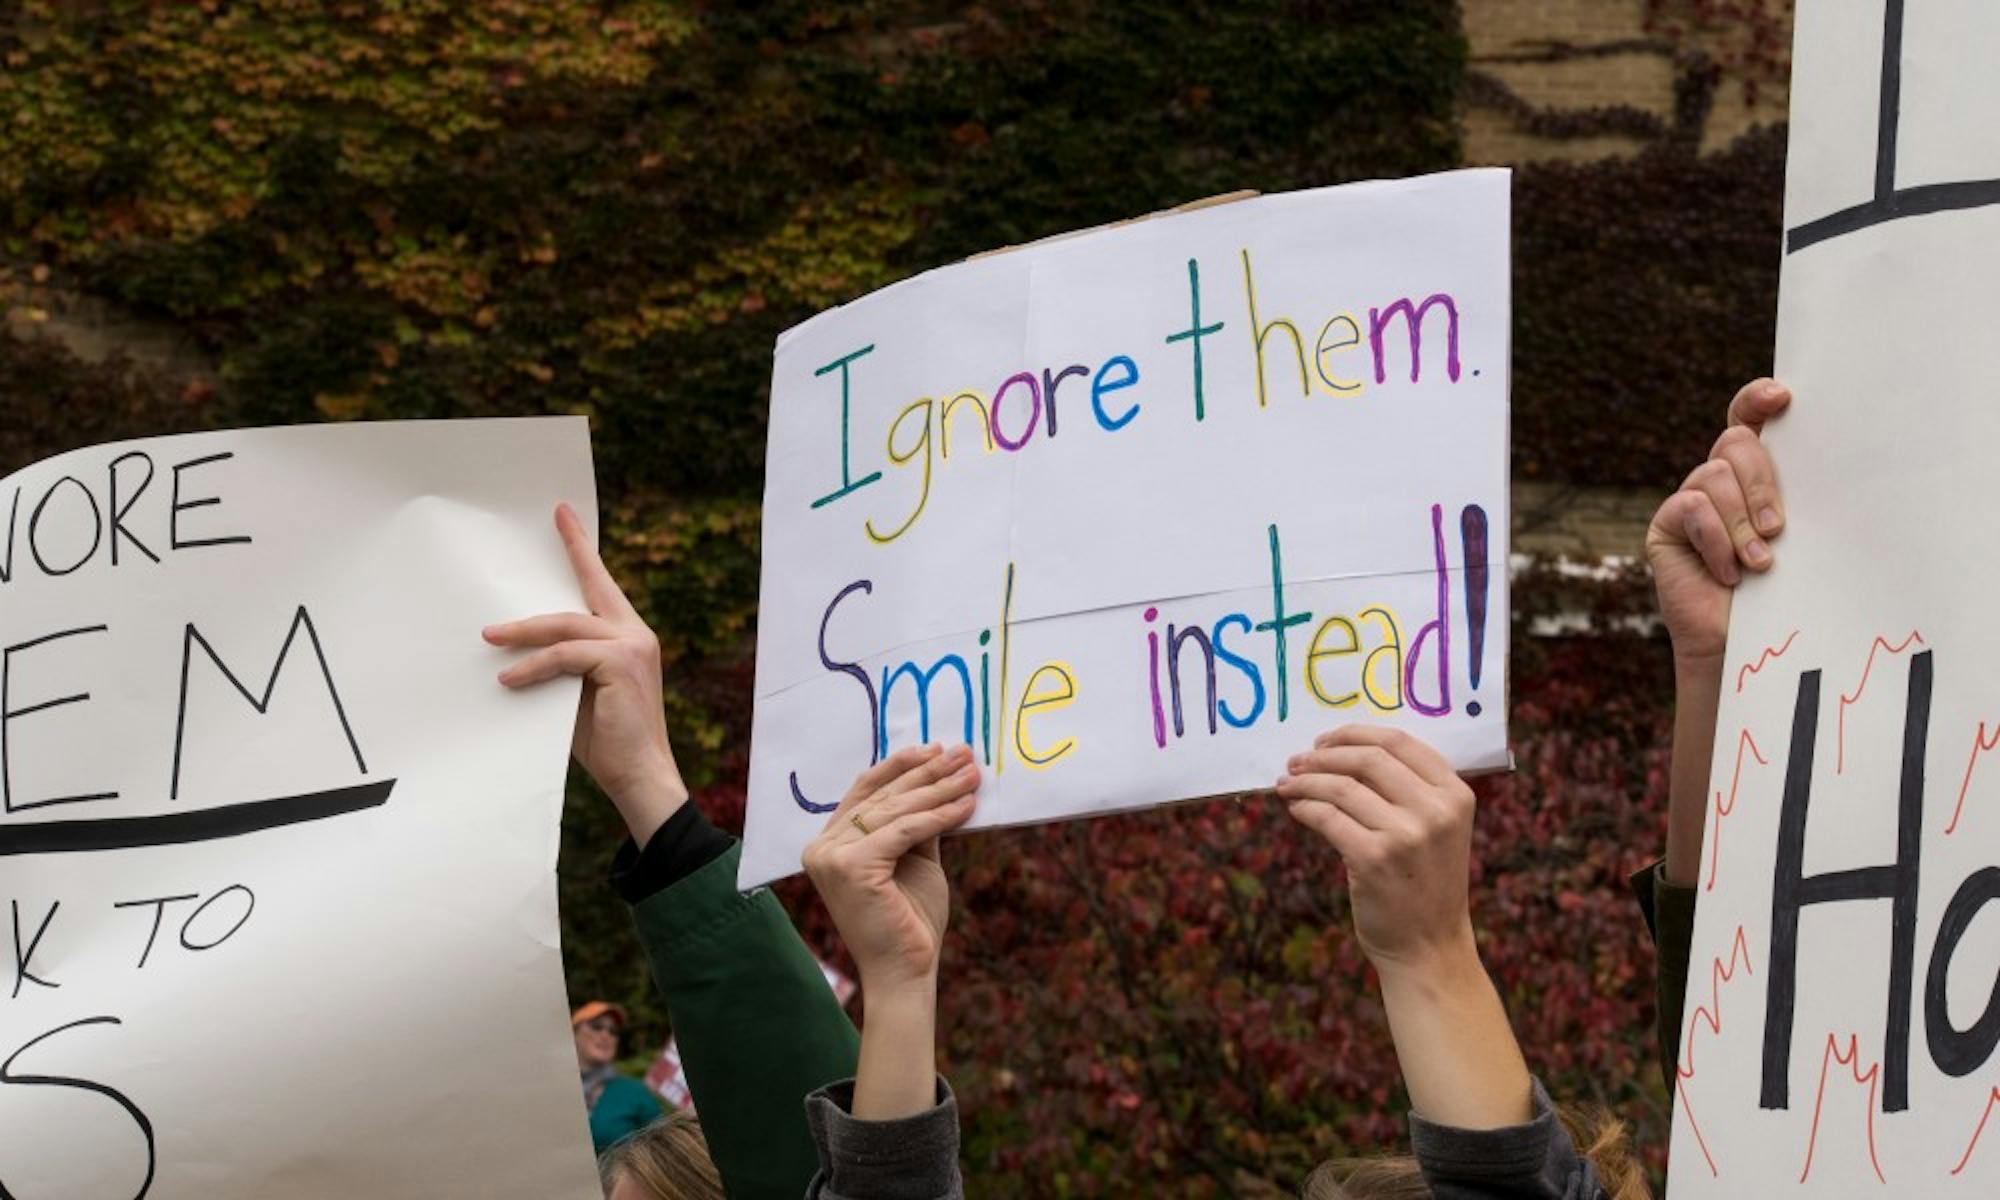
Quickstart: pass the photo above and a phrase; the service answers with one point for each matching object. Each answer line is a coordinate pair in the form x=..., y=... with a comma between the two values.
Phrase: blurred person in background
x=619, y=1105
x=667, y=1160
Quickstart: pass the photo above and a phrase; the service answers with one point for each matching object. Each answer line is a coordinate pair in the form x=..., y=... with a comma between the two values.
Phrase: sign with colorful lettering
x=277, y=851
x=1842, y=1010
x=1137, y=512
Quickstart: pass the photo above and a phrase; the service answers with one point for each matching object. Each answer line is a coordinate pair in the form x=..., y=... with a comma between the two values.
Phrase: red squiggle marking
x=1980, y=745
x=1770, y=652
x=1872, y=1077
x=1840, y=756
x=1992, y=1099
x=1722, y=808
x=1709, y=1014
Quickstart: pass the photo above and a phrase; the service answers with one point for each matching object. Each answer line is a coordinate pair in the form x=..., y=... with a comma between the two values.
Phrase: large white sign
x=1842, y=1011
x=1137, y=512
x=277, y=852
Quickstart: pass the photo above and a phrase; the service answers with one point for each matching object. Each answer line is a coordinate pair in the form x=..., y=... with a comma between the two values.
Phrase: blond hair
x=668, y=1158
x=1599, y=1137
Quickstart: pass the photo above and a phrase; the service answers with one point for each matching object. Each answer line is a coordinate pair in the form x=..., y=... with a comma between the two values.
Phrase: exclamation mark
x=1472, y=532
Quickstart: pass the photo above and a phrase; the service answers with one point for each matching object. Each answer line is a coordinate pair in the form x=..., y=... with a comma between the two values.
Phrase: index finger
x=1756, y=475
x=1758, y=402
x=1412, y=751
x=600, y=591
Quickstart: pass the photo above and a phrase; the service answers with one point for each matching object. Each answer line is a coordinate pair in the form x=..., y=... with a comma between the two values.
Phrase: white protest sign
x=1138, y=512
x=1842, y=1011
x=277, y=851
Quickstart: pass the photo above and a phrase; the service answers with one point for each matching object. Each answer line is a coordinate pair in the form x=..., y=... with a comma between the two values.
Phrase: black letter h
x=1792, y=890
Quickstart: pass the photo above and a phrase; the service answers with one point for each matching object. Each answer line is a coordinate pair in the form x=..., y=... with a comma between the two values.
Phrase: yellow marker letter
x=1324, y=349
x=1258, y=334
x=1314, y=653
x=922, y=447
x=978, y=403
x=1060, y=695
x=1394, y=649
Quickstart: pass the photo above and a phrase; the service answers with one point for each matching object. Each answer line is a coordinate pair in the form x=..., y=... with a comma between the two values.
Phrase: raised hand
x=1401, y=819
x=876, y=866
x=621, y=726
x=1718, y=525
x=1703, y=538
x=876, y=862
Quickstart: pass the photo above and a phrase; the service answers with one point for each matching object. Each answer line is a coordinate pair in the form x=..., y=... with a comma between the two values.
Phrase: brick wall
x=1574, y=56
x=1596, y=64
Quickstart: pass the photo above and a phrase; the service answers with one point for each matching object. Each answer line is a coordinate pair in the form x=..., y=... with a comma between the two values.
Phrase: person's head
x=667, y=1160
x=1599, y=1137
x=597, y=1026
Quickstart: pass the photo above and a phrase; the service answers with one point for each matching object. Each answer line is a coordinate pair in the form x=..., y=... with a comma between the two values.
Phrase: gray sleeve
x=1535, y=1161
x=914, y=1158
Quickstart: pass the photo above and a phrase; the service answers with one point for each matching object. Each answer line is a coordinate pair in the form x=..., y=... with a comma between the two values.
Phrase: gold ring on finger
x=855, y=817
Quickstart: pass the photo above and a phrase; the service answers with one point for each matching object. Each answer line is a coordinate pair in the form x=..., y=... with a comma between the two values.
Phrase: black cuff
x=1641, y=883
x=679, y=848
x=910, y=1158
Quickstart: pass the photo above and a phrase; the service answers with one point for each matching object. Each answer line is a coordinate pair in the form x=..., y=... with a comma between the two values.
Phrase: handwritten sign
x=1137, y=512
x=1842, y=1008
x=277, y=854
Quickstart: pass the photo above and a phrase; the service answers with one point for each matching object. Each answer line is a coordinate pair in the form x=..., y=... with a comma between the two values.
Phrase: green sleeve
x=1669, y=913
x=757, y=1025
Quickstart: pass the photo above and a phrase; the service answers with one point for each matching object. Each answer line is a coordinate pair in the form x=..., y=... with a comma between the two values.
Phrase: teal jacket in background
x=624, y=1108
x=757, y=1025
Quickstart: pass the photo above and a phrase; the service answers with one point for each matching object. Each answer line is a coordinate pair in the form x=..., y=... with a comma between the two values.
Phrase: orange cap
x=596, y=1009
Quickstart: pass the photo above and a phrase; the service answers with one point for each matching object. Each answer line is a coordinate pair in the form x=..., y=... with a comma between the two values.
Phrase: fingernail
x=1773, y=389
x=1768, y=520
x=1758, y=554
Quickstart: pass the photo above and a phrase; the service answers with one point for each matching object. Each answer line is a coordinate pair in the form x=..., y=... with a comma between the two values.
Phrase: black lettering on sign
x=119, y=511
x=24, y=949
x=180, y=506
x=9, y=714
x=1792, y=891
x=1959, y=1052
x=1890, y=202
x=249, y=901
x=213, y=932
x=301, y=620
x=9, y=1078
x=159, y=904
x=35, y=528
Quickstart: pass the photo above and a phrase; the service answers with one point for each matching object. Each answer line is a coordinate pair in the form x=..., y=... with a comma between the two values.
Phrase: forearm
x=1697, y=695
x=1460, y=1061
x=897, y=1076
x=647, y=799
